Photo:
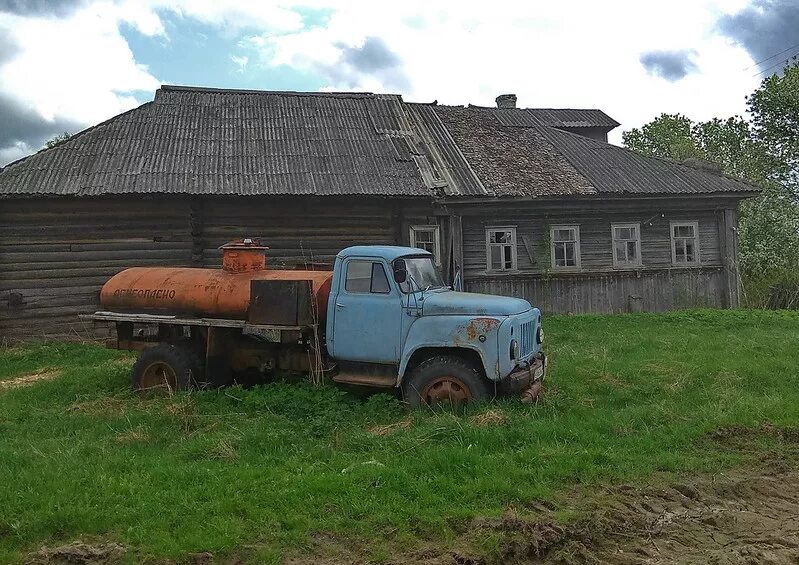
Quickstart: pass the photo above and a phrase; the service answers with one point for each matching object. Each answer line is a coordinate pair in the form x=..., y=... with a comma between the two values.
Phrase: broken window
x=501, y=249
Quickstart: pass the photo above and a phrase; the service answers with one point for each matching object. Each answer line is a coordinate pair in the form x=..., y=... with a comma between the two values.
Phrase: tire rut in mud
x=735, y=519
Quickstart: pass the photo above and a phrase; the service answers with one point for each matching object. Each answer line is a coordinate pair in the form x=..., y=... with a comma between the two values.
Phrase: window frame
x=697, y=262
x=436, y=239
x=626, y=264
x=513, y=245
x=577, y=254
x=373, y=262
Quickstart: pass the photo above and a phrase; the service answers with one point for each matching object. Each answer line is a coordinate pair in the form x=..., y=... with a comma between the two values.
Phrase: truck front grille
x=527, y=341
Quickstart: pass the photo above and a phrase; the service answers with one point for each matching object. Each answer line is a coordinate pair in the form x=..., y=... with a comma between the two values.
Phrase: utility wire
x=774, y=65
x=774, y=55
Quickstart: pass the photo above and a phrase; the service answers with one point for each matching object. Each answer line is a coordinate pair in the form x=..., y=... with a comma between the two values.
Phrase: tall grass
x=776, y=290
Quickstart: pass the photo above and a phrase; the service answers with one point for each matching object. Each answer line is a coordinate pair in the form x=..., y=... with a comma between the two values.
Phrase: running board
x=362, y=379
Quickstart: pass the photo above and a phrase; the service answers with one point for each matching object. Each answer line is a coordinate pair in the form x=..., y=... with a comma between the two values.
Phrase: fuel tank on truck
x=215, y=293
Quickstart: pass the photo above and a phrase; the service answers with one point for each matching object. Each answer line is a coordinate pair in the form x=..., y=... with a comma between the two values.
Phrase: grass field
x=262, y=473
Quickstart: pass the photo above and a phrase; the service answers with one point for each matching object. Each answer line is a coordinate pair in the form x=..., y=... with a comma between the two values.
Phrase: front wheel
x=444, y=379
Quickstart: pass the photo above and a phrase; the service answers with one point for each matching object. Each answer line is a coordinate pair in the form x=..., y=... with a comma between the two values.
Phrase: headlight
x=539, y=335
x=514, y=349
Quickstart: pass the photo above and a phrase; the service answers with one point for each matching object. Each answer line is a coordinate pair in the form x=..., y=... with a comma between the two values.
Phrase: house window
x=685, y=243
x=427, y=238
x=501, y=249
x=366, y=277
x=626, y=245
x=565, y=247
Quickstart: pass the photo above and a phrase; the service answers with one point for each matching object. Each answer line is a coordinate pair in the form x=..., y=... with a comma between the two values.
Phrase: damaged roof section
x=507, y=161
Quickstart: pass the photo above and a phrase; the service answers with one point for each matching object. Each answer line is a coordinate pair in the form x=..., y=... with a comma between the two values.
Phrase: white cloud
x=240, y=62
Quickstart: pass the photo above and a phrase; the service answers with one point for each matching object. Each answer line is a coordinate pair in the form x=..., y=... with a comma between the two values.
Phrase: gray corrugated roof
x=211, y=141
x=616, y=170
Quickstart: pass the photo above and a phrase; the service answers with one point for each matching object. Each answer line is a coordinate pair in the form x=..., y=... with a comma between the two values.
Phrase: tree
x=668, y=135
x=729, y=143
x=775, y=121
x=763, y=151
x=57, y=139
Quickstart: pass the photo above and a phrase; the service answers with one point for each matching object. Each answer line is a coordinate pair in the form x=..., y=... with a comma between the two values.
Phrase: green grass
x=258, y=472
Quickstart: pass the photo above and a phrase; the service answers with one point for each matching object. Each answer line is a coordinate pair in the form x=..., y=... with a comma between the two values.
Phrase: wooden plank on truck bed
x=105, y=316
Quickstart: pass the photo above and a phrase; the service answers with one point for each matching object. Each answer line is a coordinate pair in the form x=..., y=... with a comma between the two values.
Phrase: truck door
x=367, y=314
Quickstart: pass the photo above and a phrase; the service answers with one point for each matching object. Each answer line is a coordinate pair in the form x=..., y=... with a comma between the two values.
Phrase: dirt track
x=742, y=518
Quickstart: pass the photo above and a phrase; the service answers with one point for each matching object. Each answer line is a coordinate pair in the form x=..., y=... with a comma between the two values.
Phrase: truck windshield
x=422, y=275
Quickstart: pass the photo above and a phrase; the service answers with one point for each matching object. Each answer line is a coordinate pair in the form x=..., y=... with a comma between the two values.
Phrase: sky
x=66, y=65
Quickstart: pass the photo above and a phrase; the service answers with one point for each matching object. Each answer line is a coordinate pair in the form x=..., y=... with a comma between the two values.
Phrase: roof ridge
x=334, y=94
x=75, y=136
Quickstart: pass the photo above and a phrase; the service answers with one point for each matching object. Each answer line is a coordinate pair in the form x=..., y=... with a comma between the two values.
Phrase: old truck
x=382, y=318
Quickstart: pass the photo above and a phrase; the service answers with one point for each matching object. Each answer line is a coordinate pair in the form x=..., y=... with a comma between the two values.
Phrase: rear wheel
x=166, y=368
x=444, y=380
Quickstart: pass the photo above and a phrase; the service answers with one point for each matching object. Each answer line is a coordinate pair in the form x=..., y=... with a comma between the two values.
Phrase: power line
x=774, y=65
x=774, y=55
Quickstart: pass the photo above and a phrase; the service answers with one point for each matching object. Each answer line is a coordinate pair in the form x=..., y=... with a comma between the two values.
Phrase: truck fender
x=478, y=334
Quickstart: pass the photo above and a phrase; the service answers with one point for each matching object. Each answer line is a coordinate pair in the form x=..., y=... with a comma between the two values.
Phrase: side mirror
x=400, y=271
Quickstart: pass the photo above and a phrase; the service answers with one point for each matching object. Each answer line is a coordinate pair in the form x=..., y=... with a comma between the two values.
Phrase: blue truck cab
x=391, y=320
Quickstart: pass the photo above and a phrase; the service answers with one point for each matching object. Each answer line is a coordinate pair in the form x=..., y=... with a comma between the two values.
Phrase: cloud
x=240, y=62
x=63, y=74
x=40, y=7
x=764, y=28
x=8, y=47
x=372, y=58
x=669, y=65
x=23, y=125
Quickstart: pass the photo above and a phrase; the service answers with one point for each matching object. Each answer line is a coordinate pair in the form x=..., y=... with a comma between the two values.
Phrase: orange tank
x=217, y=293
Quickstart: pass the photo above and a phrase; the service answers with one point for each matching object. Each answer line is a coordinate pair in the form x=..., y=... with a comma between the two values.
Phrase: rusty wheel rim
x=446, y=389
x=158, y=375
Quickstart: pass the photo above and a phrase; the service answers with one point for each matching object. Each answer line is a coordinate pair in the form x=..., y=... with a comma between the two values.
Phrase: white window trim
x=576, y=246
x=697, y=242
x=436, y=240
x=513, y=252
x=626, y=264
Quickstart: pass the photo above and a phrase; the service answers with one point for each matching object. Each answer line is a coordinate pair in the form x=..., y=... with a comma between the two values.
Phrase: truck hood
x=472, y=304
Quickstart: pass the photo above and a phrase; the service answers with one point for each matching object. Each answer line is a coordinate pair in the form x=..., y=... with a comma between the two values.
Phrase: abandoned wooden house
x=525, y=202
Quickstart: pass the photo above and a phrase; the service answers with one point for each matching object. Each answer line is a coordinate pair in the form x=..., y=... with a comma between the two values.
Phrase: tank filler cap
x=251, y=243
x=244, y=255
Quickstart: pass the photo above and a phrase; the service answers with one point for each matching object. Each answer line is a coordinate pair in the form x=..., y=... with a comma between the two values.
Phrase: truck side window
x=365, y=277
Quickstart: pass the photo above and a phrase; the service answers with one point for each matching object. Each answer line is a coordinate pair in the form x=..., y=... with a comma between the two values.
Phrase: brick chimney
x=506, y=101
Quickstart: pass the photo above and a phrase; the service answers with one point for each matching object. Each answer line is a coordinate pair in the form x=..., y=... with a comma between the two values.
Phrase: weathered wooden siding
x=55, y=254
x=650, y=291
x=298, y=231
x=598, y=286
x=595, y=238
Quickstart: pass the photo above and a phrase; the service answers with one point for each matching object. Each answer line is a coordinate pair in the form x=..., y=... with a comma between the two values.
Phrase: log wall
x=55, y=254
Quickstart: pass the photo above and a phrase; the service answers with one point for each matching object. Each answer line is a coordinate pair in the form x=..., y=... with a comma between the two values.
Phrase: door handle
x=340, y=305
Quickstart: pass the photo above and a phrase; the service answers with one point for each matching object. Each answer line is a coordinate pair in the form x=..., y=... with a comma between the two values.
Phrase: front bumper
x=524, y=377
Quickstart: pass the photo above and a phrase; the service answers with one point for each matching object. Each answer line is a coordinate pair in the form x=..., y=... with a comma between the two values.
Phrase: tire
x=445, y=379
x=167, y=368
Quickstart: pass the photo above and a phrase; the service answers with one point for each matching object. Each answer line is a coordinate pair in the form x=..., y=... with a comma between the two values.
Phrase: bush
x=776, y=290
